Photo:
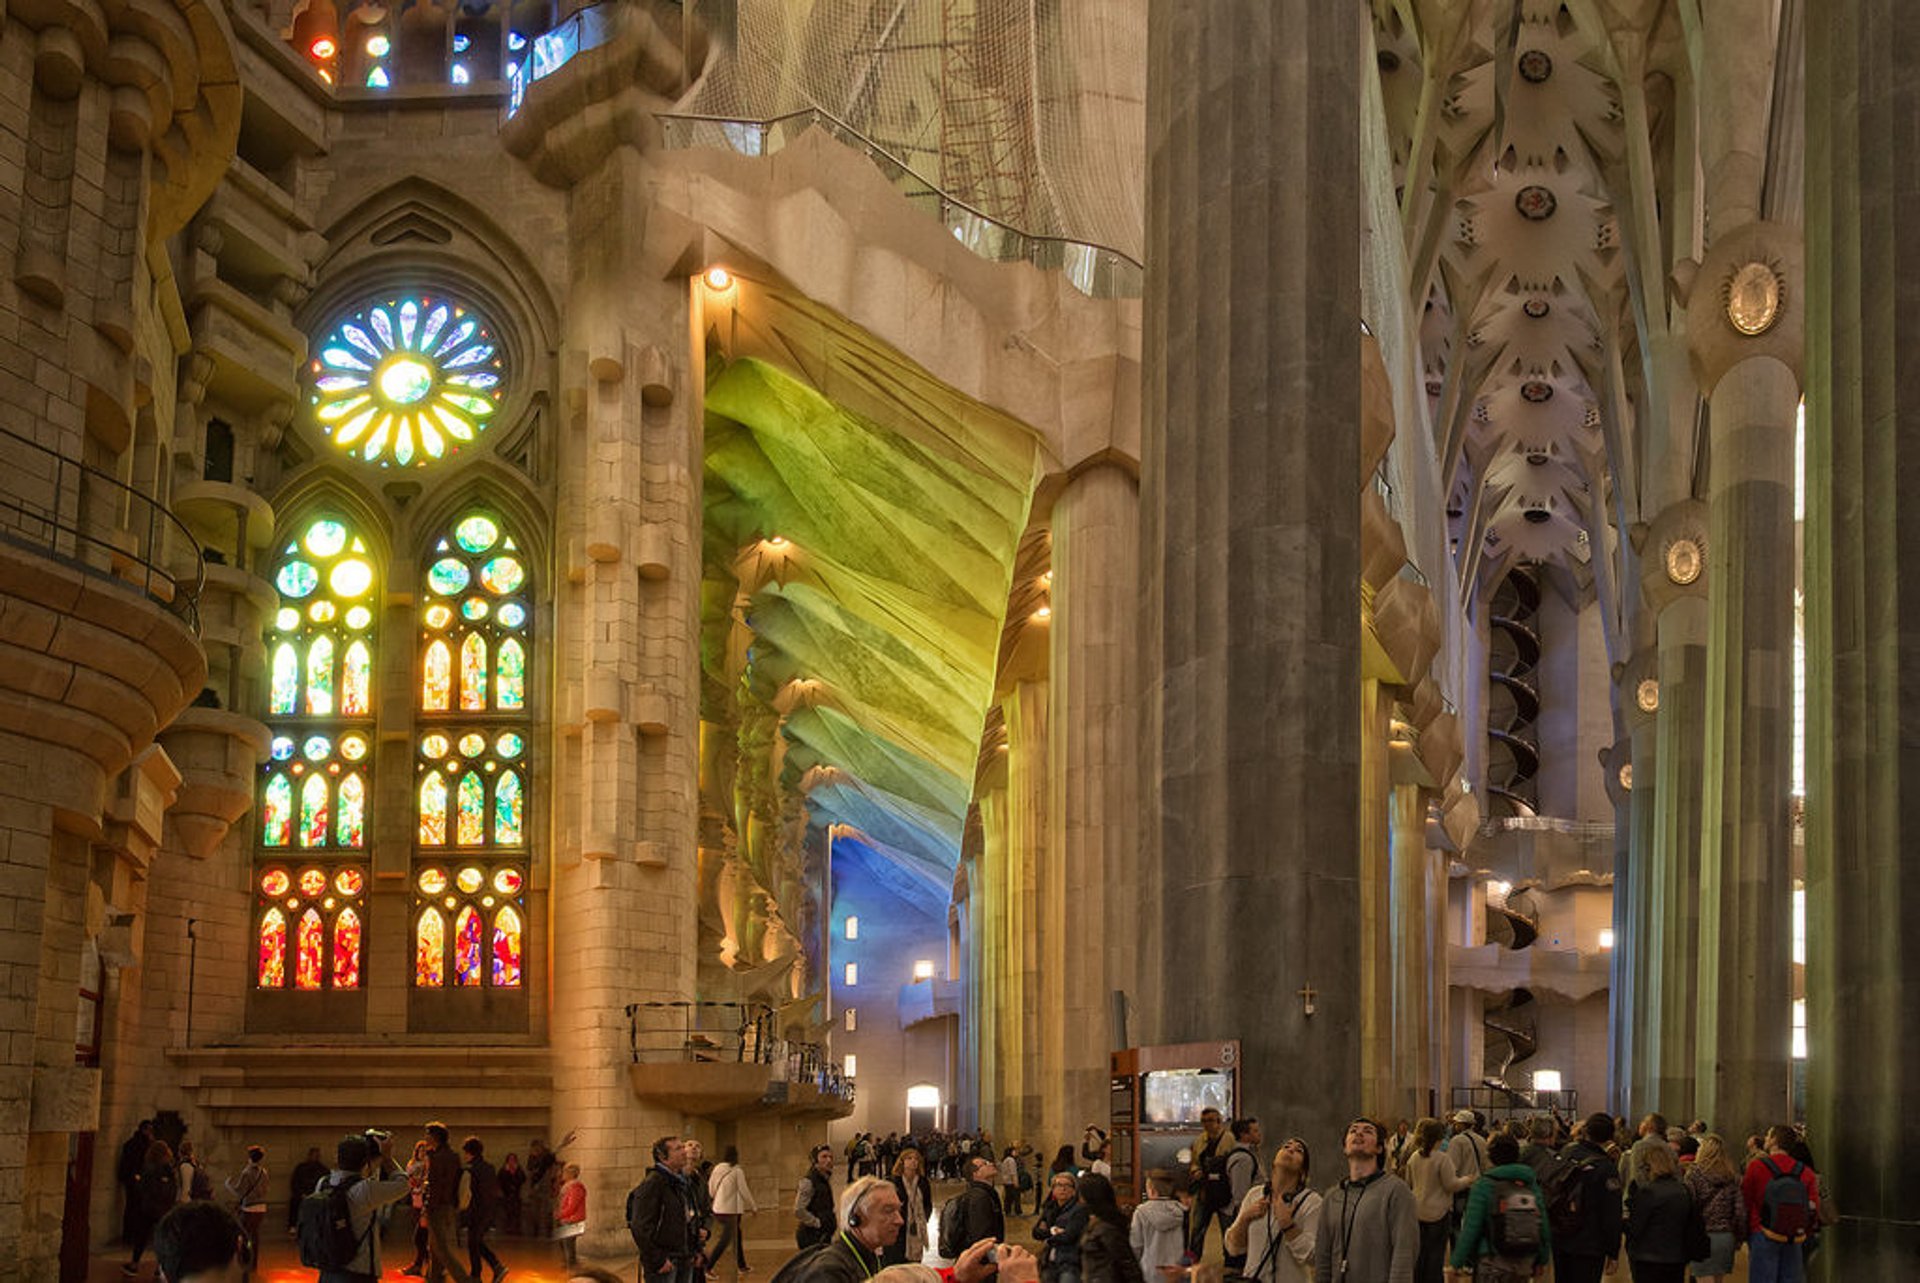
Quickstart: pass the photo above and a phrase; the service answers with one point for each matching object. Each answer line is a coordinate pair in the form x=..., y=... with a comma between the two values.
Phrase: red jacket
x=1753, y=1187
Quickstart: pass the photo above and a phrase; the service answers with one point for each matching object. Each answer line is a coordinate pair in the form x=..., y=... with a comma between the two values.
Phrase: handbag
x=571, y=1230
x=1695, y=1241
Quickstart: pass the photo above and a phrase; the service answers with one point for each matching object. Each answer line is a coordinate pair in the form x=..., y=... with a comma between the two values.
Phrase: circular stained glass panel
x=432, y=881
x=513, y=614
x=477, y=534
x=353, y=748
x=321, y=612
x=316, y=748
x=312, y=882
x=282, y=748
x=275, y=883
x=351, y=578
x=509, y=745
x=470, y=880
x=507, y=881
x=438, y=616
x=474, y=608
x=447, y=576
x=349, y=882
x=325, y=538
x=286, y=619
x=359, y=617
x=473, y=744
x=434, y=746
x=502, y=575
x=406, y=380
x=297, y=579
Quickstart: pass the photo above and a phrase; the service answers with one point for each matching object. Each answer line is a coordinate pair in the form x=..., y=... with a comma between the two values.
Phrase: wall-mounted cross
x=1307, y=995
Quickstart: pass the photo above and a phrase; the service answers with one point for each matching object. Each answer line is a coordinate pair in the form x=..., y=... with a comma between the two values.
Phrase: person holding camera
x=364, y=1164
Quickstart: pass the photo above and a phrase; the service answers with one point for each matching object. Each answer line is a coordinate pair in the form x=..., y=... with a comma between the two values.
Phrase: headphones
x=853, y=1213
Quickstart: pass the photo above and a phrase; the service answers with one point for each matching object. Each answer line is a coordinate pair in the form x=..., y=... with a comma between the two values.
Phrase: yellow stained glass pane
x=436, y=682
x=473, y=672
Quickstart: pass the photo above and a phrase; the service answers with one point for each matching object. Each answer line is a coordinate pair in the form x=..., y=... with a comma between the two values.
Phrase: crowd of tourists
x=1423, y=1202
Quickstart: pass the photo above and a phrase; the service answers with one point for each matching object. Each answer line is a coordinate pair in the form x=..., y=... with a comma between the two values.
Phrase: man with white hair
x=869, y=1220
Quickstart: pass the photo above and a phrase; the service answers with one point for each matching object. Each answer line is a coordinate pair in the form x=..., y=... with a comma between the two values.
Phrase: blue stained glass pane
x=282, y=748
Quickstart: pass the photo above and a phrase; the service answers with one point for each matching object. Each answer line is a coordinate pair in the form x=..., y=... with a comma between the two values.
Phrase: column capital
x=1673, y=555
x=1747, y=298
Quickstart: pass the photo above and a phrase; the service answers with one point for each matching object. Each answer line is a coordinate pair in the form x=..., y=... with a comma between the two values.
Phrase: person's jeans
x=477, y=1249
x=1773, y=1262
x=1431, y=1264
x=730, y=1232
x=443, y=1238
x=250, y=1230
x=682, y=1272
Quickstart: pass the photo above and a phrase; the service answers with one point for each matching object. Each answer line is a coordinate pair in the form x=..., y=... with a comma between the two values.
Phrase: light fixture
x=1497, y=891
x=776, y=541
x=923, y=969
x=378, y=46
x=1546, y=1080
x=1046, y=579
x=1042, y=614
x=322, y=48
x=718, y=278
x=1606, y=937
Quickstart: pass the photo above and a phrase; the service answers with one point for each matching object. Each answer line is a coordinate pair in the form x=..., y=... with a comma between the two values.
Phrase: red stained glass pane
x=430, y=950
x=273, y=949
x=312, y=882
x=346, y=950
x=349, y=882
x=275, y=884
x=466, y=947
x=506, y=948
x=309, y=958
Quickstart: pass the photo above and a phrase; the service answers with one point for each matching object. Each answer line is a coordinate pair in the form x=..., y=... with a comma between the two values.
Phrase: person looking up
x=1369, y=1232
x=373, y=1181
x=1278, y=1224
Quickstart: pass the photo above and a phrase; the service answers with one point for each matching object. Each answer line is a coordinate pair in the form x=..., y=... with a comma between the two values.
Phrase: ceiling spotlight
x=322, y=48
x=718, y=278
x=776, y=541
x=1043, y=613
x=1046, y=579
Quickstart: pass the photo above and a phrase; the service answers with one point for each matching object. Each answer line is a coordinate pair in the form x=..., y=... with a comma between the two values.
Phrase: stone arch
x=326, y=484
x=490, y=481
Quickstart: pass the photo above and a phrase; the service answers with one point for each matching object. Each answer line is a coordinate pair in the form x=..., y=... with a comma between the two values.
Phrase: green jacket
x=1476, y=1226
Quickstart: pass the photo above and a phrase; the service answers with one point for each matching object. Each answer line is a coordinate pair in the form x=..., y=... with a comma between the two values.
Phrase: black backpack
x=1565, y=1186
x=327, y=1240
x=1216, y=1190
x=952, y=1222
x=1514, y=1225
x=1786, y=1215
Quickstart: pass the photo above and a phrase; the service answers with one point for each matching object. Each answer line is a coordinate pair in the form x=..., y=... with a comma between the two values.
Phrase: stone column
x=1863, y=654
x=1632, y=995
x=1250, y=539
x=1411, y=934
x=1376, y=889
x=1041, y=924
x=625, y=885
x=1095, y=599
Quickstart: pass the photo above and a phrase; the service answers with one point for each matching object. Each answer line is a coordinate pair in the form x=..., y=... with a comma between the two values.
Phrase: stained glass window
x=346, y=950
x=322, y=904
x=308, y=959
x=316, y=796
x=273, y=949
x=466, y=947
x=407, y=379
x=472, y=780
x=430, y=949
x=506, y=947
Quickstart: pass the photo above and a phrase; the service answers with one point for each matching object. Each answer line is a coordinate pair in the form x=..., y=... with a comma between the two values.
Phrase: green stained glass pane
x=510, y=676
x=320, y=677
x=286, y=678
x=276, y=819
x=316, y=748
x=474, y=608
x=325, y=538
x=433, y=810
x=473, y=810
x=313, y=811
x=477, y=534
x=473, y=672
x=353, y=811
x=507, y=810
x=447, y=576
x=509, y=745
x=502, y=575
x=297, y=579
x=513, y=614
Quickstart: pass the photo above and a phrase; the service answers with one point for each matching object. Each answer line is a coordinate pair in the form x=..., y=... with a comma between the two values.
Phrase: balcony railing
x=736, y=1033
x=91, y=520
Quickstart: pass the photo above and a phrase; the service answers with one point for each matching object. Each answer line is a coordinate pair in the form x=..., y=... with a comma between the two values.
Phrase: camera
x=993, y=1255
x=376, y=1137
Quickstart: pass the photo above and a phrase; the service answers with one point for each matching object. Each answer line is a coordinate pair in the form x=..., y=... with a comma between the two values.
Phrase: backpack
x=1786, y=1215
x=327, y=1240
x=1216, y=1191
x=801, y=1264
x=1565, y=1186
x=1026, y=1177
x=952, y=1221
x=201, y=1186
x=1514, y=1226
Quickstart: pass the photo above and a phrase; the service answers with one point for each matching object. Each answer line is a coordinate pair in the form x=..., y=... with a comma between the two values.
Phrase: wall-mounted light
x=1546, y=1080
x=776, y=541
x=1042, y=614
x=1606, y=937
x=718, y=278
x=1498, y=891
x=923, y=969
x=1046, y=579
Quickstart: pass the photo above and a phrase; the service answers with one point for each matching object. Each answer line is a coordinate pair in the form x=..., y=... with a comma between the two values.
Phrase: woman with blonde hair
x=1429, y=1169
x=1715, y=1186
x=1657, y=1209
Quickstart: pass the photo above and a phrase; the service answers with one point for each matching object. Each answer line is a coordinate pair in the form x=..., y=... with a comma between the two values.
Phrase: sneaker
x=500, y=1274
x=130, y=1270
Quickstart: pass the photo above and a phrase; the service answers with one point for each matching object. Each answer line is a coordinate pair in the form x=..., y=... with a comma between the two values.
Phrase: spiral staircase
x=1513, y=701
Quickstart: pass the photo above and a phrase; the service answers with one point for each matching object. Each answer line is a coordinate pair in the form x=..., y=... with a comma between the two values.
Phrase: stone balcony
x=928, y=1000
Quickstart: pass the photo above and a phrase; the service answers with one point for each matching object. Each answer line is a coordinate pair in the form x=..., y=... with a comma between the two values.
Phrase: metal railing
x=735, y=1033
x=1099, y=271
x=1499, y=1103
x=83, y=517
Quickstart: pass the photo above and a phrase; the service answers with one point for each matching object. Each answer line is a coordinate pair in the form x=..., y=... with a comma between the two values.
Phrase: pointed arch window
x=473, y=790
x=316, y=794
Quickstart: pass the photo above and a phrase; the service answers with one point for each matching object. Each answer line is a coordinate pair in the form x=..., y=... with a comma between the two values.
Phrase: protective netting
x=1031, y=112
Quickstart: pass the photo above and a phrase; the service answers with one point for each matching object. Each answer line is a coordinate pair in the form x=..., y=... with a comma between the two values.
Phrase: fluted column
x=1041, y=925
x=1095, y=601
x=1250, y=539
x=1863, y=652
x=1410, y=933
